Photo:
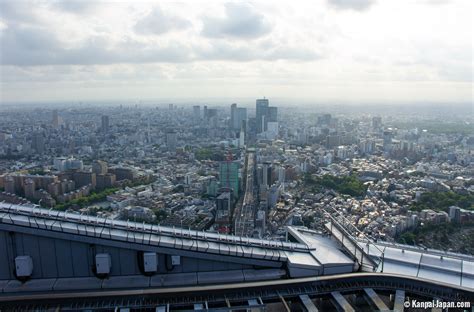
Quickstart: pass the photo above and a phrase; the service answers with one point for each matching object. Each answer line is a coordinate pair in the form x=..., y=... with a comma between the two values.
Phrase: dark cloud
x=241, y=21
x=358, y=5
x=157, y=23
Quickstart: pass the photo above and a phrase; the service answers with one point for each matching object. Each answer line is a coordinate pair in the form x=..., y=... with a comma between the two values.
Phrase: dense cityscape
x=247, y=170
x=229, y=156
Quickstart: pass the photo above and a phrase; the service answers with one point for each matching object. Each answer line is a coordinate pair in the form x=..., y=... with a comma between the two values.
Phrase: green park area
x=348, y=185
x=441, y=201
x=93, y=197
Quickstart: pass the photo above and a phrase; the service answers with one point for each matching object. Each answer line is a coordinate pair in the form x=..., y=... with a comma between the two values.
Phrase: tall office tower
x=233, y=116
x=267, y=174
x=229, y=176
x=241, y=116
x=387, y=139
x=262, y=111
x=56, y=120
x=243, y=130
x=272, y=114
x=38, y=142
x=170, y=106
x=196, y=112
x=204, y=112
x=105, y=123
x=171, y=141
x=99, y=167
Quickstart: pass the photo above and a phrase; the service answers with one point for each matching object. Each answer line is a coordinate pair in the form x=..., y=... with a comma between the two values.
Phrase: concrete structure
x=65, y=245
x=50, y=256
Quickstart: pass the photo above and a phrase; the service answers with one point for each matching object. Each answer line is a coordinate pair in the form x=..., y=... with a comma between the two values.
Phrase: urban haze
x=236, y=156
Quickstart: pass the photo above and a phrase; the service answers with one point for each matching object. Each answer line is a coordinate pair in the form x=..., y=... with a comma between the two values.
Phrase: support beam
x=285, y=304
x=381, y=306
x=342, y=302
x=399, y=301
x=308, y=304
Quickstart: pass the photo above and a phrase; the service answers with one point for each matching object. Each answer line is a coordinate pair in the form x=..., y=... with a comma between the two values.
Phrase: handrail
x=138, y=227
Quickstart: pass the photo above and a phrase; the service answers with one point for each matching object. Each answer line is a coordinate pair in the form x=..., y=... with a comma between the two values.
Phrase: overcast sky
x=320, y=50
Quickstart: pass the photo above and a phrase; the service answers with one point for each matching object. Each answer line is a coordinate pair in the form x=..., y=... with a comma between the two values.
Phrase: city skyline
x=343, y=51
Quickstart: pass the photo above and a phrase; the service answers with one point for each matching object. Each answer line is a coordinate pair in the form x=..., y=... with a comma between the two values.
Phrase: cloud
x=17, y=12
x=37, y=46
x=29, y=46
x=157, y=23
x=240, y=21
x=74, y=6
x=358, y=5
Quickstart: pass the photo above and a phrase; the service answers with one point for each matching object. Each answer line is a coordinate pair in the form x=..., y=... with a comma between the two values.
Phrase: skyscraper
x=243, y=131
x=56, y=119
x=196, y=112
x=262, y=111
x=38, y=142
x=272, y=114
x=171, y=141
x=233, y=116
x=237, y=115
x=229, y=176
x=104, y=123
x=241, y=116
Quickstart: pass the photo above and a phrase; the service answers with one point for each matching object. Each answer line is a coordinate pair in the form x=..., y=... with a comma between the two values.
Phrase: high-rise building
x=241, y=116
x=261, y=113
x=30, y=188
x=267, y=174
x=233, y=116
x=64, y=164
x=56, y=119
x=272, y=114
x=237, y=115
x=223, y=209
x=38, y=142
x=229, y=176
x=242, y=135
x=387, y=139
x=82, y=178
x=99, y=167
x=171, y=141
x=105, y=123
x=196, y=112
x=104, y=181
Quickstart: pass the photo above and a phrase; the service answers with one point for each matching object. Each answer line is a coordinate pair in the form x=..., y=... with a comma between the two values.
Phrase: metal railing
x=371, y=257
x=133, y=228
